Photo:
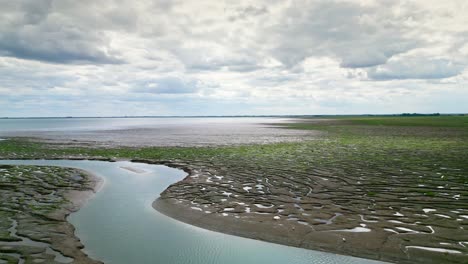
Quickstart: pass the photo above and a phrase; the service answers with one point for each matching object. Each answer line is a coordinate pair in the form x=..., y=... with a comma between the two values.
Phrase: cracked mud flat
x=406, y=206
x=35, y=203
x=321, y=210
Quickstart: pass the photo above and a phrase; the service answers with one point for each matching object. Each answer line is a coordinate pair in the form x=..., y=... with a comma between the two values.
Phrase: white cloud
x=308, y=56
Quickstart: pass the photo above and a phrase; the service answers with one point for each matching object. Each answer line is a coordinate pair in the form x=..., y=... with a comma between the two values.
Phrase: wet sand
x=134, y=170
x=364, y=245
x=80, y=198
x=70, y=245
x=281, y=231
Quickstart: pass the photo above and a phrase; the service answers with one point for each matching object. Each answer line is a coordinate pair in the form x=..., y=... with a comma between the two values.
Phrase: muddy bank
x=276, y=231
x=285, y=209
x=36, y=201
x=348, y=241
x=79, y=198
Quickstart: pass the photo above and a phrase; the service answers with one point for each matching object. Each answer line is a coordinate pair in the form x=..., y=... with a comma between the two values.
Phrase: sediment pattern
x=401, y=205
x=33, y=228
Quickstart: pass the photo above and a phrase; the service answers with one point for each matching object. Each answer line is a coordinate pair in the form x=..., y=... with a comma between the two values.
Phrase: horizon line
x=222, y=116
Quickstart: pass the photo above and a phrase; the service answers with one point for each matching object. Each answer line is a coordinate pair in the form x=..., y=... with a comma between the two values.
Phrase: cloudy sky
x=162, y=57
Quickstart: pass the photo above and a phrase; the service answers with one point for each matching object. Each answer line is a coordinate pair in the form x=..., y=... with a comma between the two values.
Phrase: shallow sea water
x=153, y=131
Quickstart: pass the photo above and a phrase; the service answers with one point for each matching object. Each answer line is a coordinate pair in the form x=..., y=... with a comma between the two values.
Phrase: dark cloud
x=15, y=78
x=363, y=59
x=272, y=79
x=415, y=68
x=36, y=11
x=248, y=12
x=53, y=50
x=244, y=67
x=38, y=30
x=358, y=36
x=208, y=57
x=167, y=85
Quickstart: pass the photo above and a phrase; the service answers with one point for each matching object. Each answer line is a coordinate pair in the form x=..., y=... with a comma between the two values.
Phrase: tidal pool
x=119, y=226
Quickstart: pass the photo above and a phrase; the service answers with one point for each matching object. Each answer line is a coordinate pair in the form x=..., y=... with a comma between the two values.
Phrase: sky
x=262, y=57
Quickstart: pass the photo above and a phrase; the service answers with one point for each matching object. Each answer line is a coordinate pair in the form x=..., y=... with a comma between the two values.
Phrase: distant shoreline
x=244, y=116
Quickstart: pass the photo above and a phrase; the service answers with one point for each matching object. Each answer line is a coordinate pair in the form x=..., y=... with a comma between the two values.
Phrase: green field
x=425, y=121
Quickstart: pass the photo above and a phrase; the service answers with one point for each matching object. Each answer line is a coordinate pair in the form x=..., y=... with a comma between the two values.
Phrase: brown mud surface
x=323, y=210
x=36, y=201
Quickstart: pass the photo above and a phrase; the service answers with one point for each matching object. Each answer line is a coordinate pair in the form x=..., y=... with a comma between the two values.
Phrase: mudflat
x=35, y=203
x=392, y=190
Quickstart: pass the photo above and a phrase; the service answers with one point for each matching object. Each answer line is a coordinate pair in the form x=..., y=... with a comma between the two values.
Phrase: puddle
x=328, y=221
x=358, y=229
x=366, y=220
x=442, y=250
x=263, y=206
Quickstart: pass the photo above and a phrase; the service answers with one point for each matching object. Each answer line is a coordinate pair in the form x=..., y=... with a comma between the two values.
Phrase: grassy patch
x=426, y=121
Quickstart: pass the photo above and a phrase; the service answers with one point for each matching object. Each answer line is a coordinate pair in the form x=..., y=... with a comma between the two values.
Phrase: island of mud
x=35, y=203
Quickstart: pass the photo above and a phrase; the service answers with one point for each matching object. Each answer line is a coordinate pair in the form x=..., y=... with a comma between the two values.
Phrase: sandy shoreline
x=357, y=245
x=70, y=245
x=80, y=198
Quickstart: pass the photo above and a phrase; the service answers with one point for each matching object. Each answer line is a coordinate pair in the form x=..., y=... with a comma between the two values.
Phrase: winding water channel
x=119, y=226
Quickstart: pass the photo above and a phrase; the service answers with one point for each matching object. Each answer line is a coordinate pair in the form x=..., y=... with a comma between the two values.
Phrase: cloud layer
x=232, y=57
